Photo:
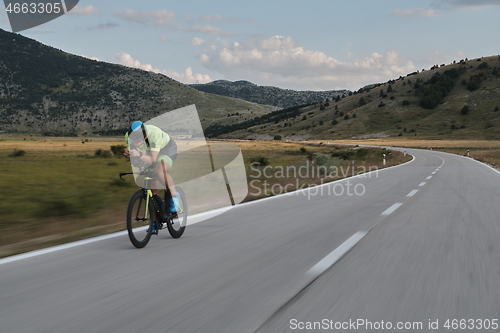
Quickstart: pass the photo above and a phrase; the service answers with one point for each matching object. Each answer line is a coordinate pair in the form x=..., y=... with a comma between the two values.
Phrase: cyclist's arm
x=150, y=157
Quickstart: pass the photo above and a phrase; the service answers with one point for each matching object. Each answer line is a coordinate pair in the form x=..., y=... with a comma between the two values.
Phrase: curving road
x=420, y=245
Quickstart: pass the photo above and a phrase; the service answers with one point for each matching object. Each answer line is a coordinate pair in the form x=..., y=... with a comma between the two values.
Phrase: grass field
x=59, y=191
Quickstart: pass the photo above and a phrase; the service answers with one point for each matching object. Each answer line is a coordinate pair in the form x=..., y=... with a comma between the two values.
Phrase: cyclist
x=152, y=145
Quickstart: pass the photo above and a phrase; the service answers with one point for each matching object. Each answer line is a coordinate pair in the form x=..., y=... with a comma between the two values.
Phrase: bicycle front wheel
x=177, y=223
x=140, y=218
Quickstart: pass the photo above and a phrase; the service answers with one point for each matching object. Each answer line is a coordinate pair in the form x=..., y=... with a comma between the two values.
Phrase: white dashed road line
x=412, y=193
x=336, y=254
x=391, y=209
x=429, y=177
x=421, y=184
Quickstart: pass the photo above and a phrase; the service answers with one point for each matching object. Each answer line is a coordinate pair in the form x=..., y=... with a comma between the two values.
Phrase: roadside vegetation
x=486, y=151
x=56, y=190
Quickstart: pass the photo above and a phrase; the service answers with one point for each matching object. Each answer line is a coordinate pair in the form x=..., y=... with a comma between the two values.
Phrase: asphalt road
x=419, y=245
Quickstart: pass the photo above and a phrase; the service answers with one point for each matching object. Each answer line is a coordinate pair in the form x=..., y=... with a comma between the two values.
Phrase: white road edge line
x=336, y=254
x=412, y=193
x=422, y=184
x=192, y=219
x=60, y=247
x=391, y=209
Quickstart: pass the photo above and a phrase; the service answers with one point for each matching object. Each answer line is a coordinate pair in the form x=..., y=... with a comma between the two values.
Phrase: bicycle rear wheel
x=176, y=224
x=140, y=219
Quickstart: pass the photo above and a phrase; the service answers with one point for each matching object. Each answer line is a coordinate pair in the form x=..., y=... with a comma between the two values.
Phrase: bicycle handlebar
x=146, y=174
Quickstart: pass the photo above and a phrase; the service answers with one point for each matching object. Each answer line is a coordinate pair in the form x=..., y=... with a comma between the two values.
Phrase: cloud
x=104, y=26
x=92, y=58
x=417, y=12
x=88, y=10
x=206, y=29
x=280, y=61
x=451, y=4
x=163, y=38
x=155, y=18
x=197, y=41
x=187, y=77
x=219, y=18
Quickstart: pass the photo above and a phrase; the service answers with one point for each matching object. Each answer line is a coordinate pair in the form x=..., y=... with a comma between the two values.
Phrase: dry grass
x=425, y=144
x=487, y=151
x=58, y=192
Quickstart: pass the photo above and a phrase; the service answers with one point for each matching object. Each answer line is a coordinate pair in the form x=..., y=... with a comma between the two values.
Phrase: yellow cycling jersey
x=156, y=138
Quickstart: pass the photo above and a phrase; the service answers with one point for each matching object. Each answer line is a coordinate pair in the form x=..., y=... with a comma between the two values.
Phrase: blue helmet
x=134, y=131
x=136, y=125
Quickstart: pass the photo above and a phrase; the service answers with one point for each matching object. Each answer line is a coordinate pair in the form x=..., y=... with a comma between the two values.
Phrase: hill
x=456, y=101
x=46, y=90
x=283, y=98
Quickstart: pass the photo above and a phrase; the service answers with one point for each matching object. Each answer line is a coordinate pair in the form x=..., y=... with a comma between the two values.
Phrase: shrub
x=346, y=117
x=484, y=65
x=496, y=108
x=406, y=102
x=103, y=153
x=362, y=101
x=118, y=150
x=362, y=153
x=474, y=83
x=321, y=122
x=334, y=122
x=277, y=137
x=465, y=110
x=321, y=159
x=261, y=160
x=303, y=150
x=17, y=153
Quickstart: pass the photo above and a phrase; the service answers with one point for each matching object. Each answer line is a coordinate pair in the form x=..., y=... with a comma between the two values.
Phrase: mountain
x=46, y=90
x=456, y=101
x=282, y=98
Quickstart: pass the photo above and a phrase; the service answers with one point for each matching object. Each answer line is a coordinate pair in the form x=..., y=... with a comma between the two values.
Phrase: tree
x=465, y=110
x=362, y=101
x=389, y=89
x=474, y=83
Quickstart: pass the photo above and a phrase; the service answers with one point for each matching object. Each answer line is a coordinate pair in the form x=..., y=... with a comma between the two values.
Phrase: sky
x=300, y=45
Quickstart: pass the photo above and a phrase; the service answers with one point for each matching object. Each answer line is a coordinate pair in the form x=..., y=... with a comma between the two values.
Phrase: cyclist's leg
x=163, y=165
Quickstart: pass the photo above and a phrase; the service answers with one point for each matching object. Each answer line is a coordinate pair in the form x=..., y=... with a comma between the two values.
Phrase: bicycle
x=146, y=213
